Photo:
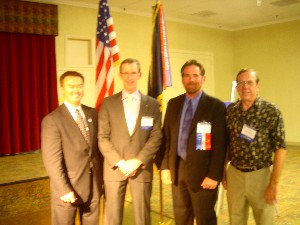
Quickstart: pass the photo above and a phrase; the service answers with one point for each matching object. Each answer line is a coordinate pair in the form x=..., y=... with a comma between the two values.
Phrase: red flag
x=107, y=53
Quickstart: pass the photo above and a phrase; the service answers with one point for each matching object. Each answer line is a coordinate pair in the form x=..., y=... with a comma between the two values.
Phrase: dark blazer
x=67, y=156
x=116, y=144
x=199, y=164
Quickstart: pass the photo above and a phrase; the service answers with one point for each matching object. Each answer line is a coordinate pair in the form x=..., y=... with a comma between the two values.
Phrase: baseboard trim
x=24, y=181
x=293, y=143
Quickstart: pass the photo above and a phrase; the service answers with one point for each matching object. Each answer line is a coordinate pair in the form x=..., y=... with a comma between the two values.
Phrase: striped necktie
x=83, y=127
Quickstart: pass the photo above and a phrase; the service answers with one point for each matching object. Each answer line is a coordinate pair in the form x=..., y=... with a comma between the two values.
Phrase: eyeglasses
x=127, y=74
x=250, y=83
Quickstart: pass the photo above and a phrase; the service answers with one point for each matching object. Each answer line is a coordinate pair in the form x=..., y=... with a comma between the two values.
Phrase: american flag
x=107, y=53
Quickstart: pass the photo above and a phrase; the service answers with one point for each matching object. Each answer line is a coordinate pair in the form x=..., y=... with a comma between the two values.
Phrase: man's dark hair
x=193, y=62
x=70, y=74
x=247, y=70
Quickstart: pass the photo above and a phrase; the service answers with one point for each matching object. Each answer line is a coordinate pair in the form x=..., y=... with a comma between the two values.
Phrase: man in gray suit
x=71, y=156
x=129, y=137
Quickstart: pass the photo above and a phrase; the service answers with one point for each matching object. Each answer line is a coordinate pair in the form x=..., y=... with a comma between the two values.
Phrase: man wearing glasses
x=256, y=131
x=129, y=137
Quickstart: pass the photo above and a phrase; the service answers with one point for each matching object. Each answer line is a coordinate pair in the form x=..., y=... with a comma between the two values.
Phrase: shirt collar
x=72, y=108
x=136, y=94
x=194, y=100
x=256, y=103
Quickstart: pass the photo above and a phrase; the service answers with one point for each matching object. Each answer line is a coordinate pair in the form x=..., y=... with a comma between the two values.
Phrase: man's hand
x=69, y=198
x=132, y=165
x=272, y=189
x=122, y=165
x=271, y=194
x=129, y=167
x=209, y=183
x=166, y=176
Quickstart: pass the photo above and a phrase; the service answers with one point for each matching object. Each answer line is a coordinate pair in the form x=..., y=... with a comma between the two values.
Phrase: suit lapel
x=70, y=122
x=68, y=119
x=119, y=108
x=177, y=111
x=144, y=107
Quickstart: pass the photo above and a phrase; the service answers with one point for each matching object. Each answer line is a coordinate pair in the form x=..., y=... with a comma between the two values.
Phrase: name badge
x=147, y=123
x=203, y=138
x=248, y=133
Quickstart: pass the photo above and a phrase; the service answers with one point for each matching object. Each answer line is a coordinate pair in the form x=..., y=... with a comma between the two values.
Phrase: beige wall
x=134, y=40
x=272, y=50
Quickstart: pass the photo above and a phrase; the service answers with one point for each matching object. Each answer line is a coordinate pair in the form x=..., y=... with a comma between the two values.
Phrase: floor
x=22, y=176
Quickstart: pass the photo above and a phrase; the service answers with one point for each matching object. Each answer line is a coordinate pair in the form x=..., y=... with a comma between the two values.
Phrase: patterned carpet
x=288, y=198
x=23, y=167
x=24, y=194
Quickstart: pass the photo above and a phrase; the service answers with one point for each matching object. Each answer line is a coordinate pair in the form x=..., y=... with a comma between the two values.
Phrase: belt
x=247, y=169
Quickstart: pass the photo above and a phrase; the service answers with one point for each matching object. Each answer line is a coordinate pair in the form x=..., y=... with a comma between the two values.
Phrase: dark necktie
x=183, y=144
x=83, y=128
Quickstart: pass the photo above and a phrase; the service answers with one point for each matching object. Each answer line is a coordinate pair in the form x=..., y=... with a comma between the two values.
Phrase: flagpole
x=161, y=222
x=159, y=75
x=161, y=200
x=102, y=206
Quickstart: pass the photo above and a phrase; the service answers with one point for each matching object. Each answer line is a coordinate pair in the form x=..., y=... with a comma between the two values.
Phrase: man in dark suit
x=71, y=156
x=194, y=149
x=129, y=137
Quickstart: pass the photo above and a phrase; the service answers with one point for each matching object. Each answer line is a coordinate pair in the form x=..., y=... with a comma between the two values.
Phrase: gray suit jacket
x=67, y=156
x=116, y=144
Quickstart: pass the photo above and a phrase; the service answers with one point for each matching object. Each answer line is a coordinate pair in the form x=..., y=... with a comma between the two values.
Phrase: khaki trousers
x=247, y=189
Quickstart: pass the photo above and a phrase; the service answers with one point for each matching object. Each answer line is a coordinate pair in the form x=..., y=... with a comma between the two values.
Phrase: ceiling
x=223, y=14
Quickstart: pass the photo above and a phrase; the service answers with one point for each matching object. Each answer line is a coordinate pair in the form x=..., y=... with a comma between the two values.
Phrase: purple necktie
x=183, y=144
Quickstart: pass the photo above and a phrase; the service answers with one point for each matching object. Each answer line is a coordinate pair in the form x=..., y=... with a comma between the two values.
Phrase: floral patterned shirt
x=266, y=119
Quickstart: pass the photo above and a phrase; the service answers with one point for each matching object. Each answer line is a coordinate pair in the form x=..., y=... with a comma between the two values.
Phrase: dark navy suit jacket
x=199, y=164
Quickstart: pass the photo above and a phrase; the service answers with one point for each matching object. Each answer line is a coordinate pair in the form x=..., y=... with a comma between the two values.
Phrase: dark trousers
x=189, y=204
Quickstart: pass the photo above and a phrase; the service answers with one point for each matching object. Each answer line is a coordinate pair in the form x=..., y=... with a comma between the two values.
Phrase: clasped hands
x=129, y=167
x=69, y=198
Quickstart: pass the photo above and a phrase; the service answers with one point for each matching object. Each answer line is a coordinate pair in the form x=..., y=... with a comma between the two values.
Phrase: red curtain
x=28, y=89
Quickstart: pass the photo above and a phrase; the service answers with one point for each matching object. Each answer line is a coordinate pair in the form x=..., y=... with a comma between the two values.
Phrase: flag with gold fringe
x=160, y=72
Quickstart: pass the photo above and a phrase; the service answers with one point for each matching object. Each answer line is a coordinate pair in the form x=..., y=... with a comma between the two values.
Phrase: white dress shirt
x=131, y=104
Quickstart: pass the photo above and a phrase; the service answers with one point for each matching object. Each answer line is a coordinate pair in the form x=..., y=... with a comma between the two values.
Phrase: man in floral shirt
x=256, y=131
